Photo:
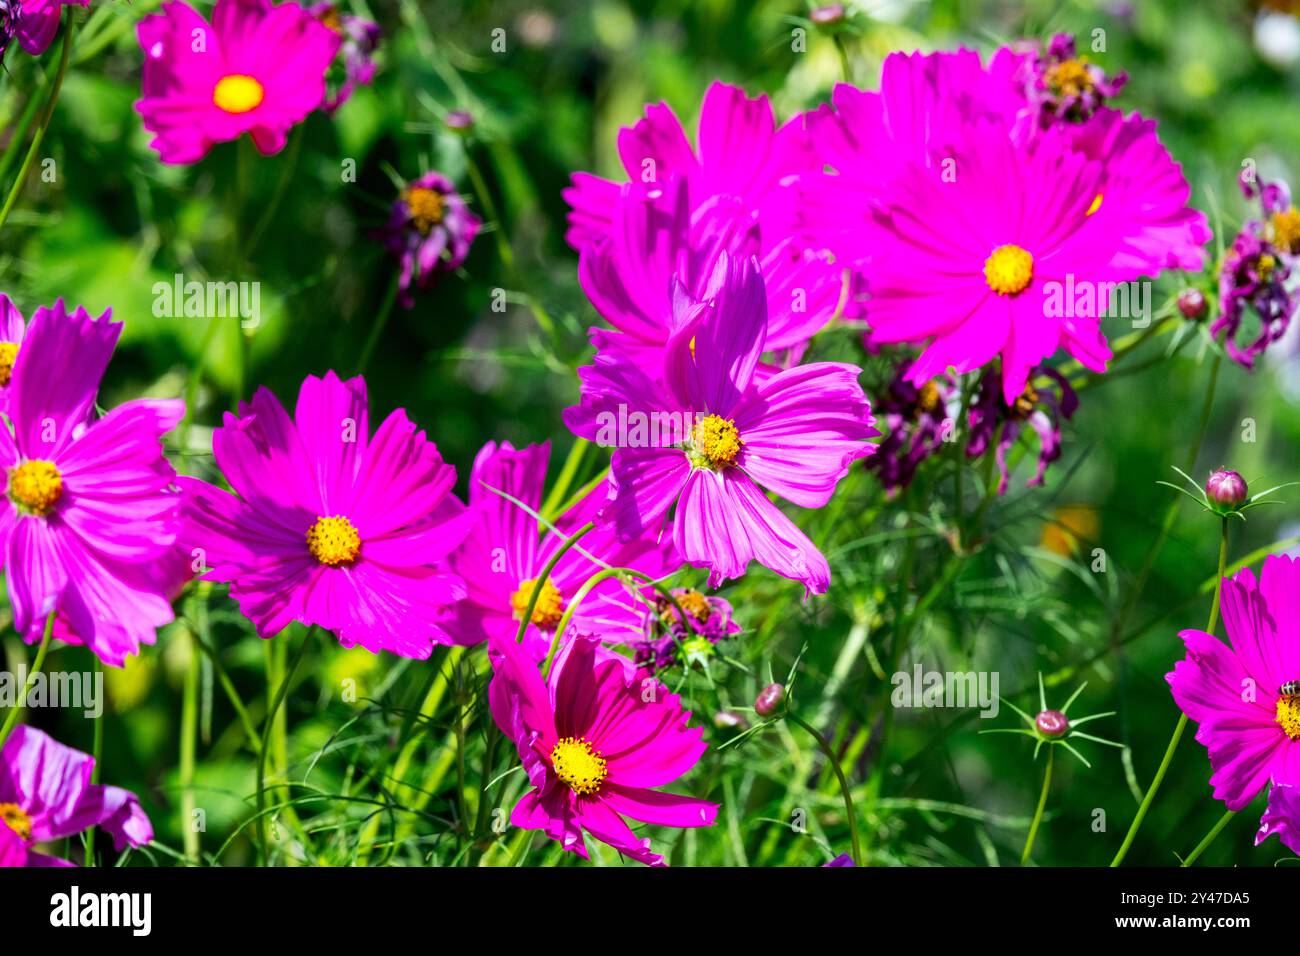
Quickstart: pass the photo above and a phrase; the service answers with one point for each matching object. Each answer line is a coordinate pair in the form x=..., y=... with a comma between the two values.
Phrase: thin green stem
x=1209, y=837
x=267, y=724
x=845, y=789
x=189, y=747
x=1038, y=813
x=96, y=769
x=17, y=709
x=380, y=321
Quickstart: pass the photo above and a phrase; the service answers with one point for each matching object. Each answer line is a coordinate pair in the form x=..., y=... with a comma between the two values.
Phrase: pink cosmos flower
x=33, y=23
x=258, y=69
x=596, y=742
x=331, y=526
x=1245, y=695
x=1281, y=817
x=12, y=327
x=503, y=556
x=719, y=436
x=46, y=795
x=90, y=506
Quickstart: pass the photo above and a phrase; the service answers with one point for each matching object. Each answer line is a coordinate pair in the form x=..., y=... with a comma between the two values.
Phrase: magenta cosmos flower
x=329, y=525
x=258, y=69
x=596, y=742
x=90, y=505
x=507, y=551
x=12, y=328
x=1282, y=817
x=46, y=795
x=429, y=230
x=709, y=437
x=1245, y=695
x=33, y=23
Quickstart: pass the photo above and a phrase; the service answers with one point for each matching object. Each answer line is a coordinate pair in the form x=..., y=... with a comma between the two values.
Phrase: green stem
x=380, y=321
x=545, y=576
x=267, y=723
x=17, y=709
x=290, y=164
x=845, y=789
x=189, y=745
x=1209, y=837
x=96, y=770
x=1038, y=813
x=1182, y=718
x=68, y=31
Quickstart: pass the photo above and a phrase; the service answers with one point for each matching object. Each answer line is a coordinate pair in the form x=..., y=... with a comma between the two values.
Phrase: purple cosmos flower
x=1062, y=86
x=1255, y=271
x=33, y=23
x=90, y=507
x=360, y=40
x=596, y=743
x=917, y=423
x=709, y=436
x=1041, y=408
x=1282, y=817
x=46, y=795
x=505, y=553
x=707, y=621
x=332, y=526
x=429, y=231
x=1243, y=695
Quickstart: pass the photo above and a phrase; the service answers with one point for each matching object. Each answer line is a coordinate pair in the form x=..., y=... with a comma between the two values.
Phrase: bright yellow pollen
x=1096, y=204
x=238, y=93
x=8, y=355
x=1025, y=404
x=1009, y=270
x=424, y=207
x=928, y=398
x=330, y=18
x=715, y=442
x=695, y=604
x=1285, y=227
x=549, y=607
x=35, y=486
x=1288, y=716
x=1069, y=77
x=578, y=765
x=12, y=816
x=333, y=541
x=1266, y=266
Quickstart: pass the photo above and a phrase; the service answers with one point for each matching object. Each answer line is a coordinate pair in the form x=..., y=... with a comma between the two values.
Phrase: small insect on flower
x=1290, y=689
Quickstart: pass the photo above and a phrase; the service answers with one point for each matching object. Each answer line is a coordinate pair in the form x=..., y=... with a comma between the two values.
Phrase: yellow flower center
x=1266, y=266
x=1008, y=270
x=12, y=816
x=1025, y=403
x=1285, y=227
x=238, y=93
x=715, y=442
x=693, y=603
x=424, y=207
x=35, y=486
x=330, y=17
x=578, y=765
x=8, y=355
x=1069, y=77
x=928, y=398
x=1288, y=715
x=549, y=607
x=333, y=541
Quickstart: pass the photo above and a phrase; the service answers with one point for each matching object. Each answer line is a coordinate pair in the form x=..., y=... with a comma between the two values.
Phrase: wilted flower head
x=1062, y=85
x=708, y=619
x=256, y=69
x=1039, y=406
x=429, y=230
x=33, y=23
x=360, y=40
x=916, y=423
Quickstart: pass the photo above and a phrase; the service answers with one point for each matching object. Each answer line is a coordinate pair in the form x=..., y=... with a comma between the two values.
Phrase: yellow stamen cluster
x=35, y=486
x=1026, y=402
x=549, y=607
x=1009, y=269
x=1069, y=77
x=8, y=356
x=12, y=816
x=330, y=17
x=928, y=399
x=425, y=208
x=578, y=765
x=1288, y=715
x=695, y=604
x=1265, y=267
x=238, y=93
x=334, y=541
x=1284, y=227
x=715, y=442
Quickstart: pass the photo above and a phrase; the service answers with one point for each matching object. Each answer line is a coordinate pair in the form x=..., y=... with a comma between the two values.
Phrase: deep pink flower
x=258, y=69
x=429, y=230
x=46, y=795
x=331, y=526
x=1281, y=817
x=90, y=506
x=596, y=743
x=12, y=328
x=1237, y=693
x=718, y=436
x=506, y=551
x=32, y=22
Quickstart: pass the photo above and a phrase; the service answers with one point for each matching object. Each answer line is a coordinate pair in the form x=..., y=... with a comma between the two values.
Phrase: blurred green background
x=116, y=221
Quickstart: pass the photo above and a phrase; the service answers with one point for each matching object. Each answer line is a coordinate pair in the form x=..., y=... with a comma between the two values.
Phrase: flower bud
x=459, y=120
x=824, y=16
x=1226, y=489
x=1191, y=302
x=1052, y=723
x=769, y=699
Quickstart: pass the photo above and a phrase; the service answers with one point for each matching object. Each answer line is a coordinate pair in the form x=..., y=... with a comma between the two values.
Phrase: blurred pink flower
x=33, y=23
x=429, y=230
